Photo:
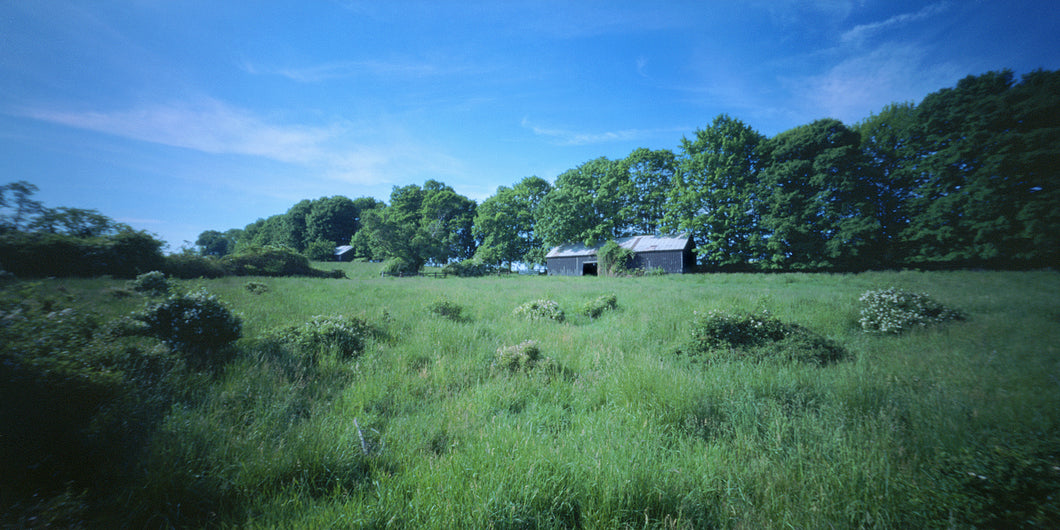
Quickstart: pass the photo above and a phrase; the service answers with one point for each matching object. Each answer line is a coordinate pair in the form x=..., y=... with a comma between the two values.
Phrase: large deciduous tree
x=816, y=205
x=715, y=194
x=504, y=224
x=985, y=177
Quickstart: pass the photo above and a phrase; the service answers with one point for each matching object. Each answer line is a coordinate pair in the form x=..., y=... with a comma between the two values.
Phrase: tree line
x=965, y=178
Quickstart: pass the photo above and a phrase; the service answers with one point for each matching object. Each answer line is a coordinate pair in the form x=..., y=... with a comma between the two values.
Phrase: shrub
x=269, y=261
x=756, y=337
x=614, y=260
x=521, y=357
x=345, y=336
x=152, y=283
x=398, y=267
x=894, y=311
x=320, y=250
x=540, y=310
x=447, y=309
x=197, y=324
x=468, y=268
x=256, y=287
x=191, y=266
x=594, y=308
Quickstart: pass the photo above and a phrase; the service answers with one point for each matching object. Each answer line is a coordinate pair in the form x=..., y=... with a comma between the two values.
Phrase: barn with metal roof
x=673, y=254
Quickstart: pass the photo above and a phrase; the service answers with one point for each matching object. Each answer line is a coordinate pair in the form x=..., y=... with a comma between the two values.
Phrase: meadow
x=954, y=425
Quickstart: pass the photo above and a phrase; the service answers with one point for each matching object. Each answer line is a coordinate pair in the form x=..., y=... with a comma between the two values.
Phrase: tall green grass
x=955, y=425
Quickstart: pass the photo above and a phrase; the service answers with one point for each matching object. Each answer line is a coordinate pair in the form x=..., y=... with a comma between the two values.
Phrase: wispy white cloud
x=861, y=32
x=345, y=152
x=860, y=85
x=568, y=137
x=345, y=69
x=208, y=126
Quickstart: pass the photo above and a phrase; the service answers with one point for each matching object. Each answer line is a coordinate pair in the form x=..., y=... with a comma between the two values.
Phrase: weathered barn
x=672, y=254
x=344, y=253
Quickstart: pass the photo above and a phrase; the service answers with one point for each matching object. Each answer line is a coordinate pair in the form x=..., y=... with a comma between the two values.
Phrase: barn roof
x=637, y=244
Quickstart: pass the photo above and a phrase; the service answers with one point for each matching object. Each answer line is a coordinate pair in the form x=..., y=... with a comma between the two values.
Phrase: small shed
x=344, y=253
x=671, y=253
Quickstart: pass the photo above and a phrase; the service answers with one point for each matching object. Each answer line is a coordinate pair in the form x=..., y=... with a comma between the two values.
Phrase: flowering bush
x=894, y=311
x=153, y=283
x=196, y=323
x=595, y=307
x=540, y=309
x=346, y=336
x=525, y=357
x=720, y=336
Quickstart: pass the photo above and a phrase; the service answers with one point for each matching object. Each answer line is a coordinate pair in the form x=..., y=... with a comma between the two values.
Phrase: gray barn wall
x=673, y=262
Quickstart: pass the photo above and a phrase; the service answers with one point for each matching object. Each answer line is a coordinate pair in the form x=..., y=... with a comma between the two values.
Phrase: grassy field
x=956, y=425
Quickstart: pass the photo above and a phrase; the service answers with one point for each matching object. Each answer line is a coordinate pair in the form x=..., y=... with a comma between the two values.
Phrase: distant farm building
x=672, y=254
x=344, y=253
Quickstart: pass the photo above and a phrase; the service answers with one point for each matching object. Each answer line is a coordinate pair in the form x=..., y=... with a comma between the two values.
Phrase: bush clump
x=520, y=358
x=596, y=307
x=398, y=267
x=256, y=287
x=190, y=266
x=758, y=337
x=894, y=311
x=540, y=310
x=447, y=309
x=197, y=324
x=152, y=283
x=468, y=268
x=343, y=335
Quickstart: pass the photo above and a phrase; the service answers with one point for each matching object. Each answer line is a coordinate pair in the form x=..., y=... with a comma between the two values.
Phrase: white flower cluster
x=540, y=309
x=894, y=311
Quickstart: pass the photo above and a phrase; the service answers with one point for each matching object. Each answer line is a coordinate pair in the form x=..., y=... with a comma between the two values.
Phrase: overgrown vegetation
x=894, y=311
x=722, y=336
x=541, y=310
x=596, y=307
x=392, y=417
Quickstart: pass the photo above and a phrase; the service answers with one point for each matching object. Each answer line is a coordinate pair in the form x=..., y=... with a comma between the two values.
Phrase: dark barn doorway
x=589, y=268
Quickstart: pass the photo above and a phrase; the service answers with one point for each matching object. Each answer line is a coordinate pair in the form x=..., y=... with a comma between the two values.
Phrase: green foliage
x=187, y=266
x=613, y=259
x=197, y=324
x=596, y=307
x=468, y=268
x=448, y=309
x=152, y=283
x=320, y=250
x=540, y=310
x=399, y=267
x=343, y=336
x=894, y=311
x=123, y=255
x=520, y=358
x=505, y=223
x=715, y=194
x=268, y=261
x=256, y=287
x=721, y=336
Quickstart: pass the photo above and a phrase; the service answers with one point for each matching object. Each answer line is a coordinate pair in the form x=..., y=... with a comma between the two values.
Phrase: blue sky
x=183, y=116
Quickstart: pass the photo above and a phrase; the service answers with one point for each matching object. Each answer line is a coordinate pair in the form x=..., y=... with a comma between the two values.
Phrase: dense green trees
x=966, y=178
x=714, y=195
x=36, y=241
x=505, y=224
x=420, y=225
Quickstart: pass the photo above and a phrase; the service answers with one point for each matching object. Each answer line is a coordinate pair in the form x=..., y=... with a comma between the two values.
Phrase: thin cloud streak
x=863, y=31
x=566, y=137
